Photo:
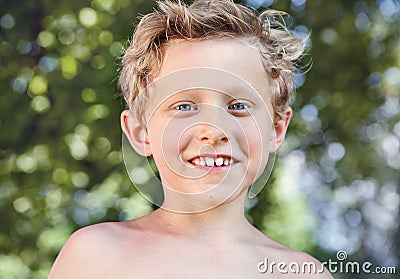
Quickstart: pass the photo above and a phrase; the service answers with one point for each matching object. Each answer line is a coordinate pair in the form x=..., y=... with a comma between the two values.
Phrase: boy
x=208, y=88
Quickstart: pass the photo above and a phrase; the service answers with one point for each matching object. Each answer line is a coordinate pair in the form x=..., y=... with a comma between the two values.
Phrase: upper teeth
x=211, y=162
x=219, y=161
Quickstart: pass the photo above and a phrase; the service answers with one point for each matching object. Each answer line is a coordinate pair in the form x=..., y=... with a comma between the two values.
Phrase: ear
x=136, y=133
x=281, y=124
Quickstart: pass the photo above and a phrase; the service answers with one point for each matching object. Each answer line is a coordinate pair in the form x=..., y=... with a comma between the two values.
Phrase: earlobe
x=136, y=133
x=281, y=124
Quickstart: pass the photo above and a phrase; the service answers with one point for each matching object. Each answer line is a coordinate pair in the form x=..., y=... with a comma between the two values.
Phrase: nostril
x=211, y=134
x=207, y=139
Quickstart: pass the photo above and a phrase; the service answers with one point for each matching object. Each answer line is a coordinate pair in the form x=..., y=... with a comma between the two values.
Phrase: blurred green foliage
x=335, y=185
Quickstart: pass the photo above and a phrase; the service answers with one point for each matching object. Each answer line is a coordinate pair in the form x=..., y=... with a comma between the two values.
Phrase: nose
x=210, y=134
x=213, y=123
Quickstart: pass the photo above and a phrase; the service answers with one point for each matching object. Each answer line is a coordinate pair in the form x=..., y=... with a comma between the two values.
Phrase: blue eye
x=237, y=106
x=185, y=107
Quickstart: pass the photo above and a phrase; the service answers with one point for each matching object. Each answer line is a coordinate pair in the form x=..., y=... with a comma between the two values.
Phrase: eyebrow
x=232, y=91
x=194, y=94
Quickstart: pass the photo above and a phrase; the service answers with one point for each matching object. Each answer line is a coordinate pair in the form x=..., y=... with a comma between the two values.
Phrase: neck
x=224, y=220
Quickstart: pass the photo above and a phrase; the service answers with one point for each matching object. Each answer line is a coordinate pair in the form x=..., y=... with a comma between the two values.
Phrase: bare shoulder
x=90, y=251
x=287, y=261
x=308, y=265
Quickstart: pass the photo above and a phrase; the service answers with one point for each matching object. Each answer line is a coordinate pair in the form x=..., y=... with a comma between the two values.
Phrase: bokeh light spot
x=60, y=176
x=98, y=111
x=26, y=163
x=139, y=175
x=336, y=151
x=328, y=36
x=38, y=85
x=309, y=113
x=66, y=21
x=46, y=39
x=83, y=131
x=80, y=179
x=69, y=67
x=106, y=38
x=88, y=95
x=66, y=37
x=22, y=204
x=390, y=145
x=24, y=46
x=389, y=8
x=87, y=17
x=116, y=49
x=254, y=3
x=392, y=76
x=40, y=104
x=362, y=22
x=48, y=64
x=19, y=84
x=299, y=2
x=82, y=53
x=77, y=146
x=7, y=21
x=98, y=62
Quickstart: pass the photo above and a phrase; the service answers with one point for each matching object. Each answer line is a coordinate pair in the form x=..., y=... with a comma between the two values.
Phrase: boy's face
x=210, y=122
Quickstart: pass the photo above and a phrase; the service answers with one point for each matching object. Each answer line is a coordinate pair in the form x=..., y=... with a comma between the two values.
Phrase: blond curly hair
x=206, y=20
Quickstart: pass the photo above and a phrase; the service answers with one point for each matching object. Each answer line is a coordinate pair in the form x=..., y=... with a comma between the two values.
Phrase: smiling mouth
x=208, y=161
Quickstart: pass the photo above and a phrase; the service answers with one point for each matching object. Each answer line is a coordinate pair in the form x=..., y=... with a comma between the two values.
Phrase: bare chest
x=186, y=262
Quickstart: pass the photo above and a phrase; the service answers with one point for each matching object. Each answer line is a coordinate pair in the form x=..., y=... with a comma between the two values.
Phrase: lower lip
x=213, y=169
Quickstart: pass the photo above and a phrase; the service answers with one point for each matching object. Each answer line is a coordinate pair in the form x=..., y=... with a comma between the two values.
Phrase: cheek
x=165, y=133
x=183, y=136
x=255, y=139
x=177, y=134
x=258, y=141
x=166, y=140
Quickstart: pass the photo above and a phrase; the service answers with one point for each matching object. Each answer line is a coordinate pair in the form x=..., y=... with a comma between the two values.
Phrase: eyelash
x=192, y=107
x=243, y=106
x=177, y=107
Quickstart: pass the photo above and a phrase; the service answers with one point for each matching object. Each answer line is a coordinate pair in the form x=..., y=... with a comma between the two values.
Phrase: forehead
x=233, y=56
